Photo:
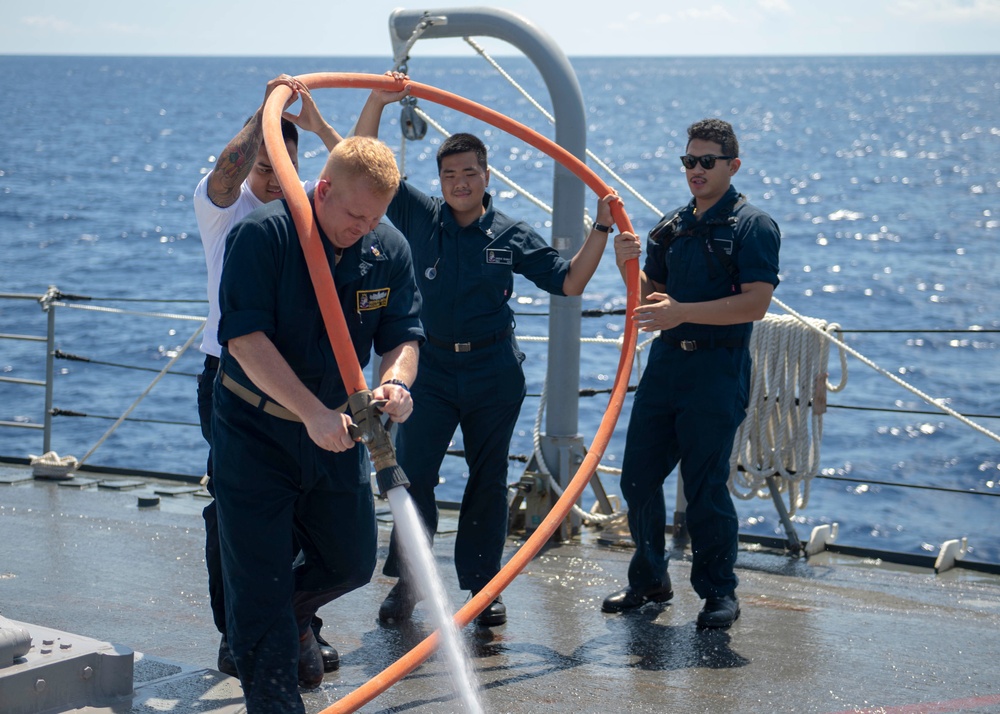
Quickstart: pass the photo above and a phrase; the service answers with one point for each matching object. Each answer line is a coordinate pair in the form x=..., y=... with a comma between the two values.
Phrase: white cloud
x=948, y=11
x=49, y=24
x=639, y=27
x=117, y=28
x=715, y=13
x=775, y=6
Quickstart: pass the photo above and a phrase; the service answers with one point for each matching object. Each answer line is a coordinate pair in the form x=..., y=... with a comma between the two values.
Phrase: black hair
x=718, y=131
x=289, y=132
x=461, y=143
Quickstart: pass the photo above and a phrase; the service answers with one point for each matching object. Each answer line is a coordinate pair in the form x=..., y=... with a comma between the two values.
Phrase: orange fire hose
x=347, y=360
x=319, y=271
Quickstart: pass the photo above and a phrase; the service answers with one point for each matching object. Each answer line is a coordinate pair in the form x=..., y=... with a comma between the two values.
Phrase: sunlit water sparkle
x=883, y=173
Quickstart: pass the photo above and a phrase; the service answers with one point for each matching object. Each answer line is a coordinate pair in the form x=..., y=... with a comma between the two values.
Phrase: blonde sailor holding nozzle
x=287, y=468
x=242, y=180
x=465, y=255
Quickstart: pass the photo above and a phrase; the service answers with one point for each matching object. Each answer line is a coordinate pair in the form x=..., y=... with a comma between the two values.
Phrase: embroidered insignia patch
x=373, y=299
x=499, y=256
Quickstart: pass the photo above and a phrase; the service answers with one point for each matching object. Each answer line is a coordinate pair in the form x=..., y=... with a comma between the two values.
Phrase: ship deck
x=829, y=634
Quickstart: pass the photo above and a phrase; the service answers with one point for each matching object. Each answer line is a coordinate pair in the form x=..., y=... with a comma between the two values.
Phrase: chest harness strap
x=664, y=233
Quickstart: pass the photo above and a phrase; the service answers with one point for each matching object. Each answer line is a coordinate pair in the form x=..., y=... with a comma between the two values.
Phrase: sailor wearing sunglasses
x=710, y=270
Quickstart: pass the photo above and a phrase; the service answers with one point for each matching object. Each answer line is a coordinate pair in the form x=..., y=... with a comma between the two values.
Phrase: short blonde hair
x=362, y=158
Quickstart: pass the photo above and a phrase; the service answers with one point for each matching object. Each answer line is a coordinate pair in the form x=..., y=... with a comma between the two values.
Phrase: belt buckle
x=689, y=345
x=463, y=347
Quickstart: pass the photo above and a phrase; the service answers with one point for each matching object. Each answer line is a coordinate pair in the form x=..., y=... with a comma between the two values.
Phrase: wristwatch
x=397, y=382
x=602, y=228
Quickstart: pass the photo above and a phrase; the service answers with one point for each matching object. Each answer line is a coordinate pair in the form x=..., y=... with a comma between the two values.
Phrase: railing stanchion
x=50, y=352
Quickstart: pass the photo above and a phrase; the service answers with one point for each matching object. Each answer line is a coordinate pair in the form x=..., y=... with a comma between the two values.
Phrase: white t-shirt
x=214, y=224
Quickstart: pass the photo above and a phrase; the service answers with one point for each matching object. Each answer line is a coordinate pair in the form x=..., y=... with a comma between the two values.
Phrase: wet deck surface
x=831, y=634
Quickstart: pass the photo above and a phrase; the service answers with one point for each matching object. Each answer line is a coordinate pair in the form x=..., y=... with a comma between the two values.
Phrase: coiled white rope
x=50, y=464
x=885, y=373
x=783, y=430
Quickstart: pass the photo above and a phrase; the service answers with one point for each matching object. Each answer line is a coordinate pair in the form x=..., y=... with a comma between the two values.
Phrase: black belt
x=469, y=346
x=706, y=344
x=262, y=403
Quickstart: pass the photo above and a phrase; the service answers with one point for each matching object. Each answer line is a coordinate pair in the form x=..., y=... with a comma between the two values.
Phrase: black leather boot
x=629, y=598
x=310, y=661
x=719, y=612
x=399, y=603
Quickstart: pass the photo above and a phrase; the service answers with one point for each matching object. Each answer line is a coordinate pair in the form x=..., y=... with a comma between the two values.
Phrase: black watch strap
x=398, y=383
x=602, y=228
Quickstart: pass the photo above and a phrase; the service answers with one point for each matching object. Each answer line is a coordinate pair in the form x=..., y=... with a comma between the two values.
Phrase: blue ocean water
x=881, y=171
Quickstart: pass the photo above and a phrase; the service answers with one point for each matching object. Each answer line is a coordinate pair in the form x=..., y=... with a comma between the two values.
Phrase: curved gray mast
x=562, y=445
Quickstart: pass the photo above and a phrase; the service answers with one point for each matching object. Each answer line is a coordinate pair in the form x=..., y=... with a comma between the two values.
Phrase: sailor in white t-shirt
x=242, y=180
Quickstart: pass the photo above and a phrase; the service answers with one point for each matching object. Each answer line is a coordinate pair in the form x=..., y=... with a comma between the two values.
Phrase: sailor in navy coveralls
x=283, y=457
x=465, y=254
x=705, y=279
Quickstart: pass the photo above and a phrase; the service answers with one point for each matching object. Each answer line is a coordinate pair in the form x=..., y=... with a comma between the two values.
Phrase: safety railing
x=29, y=349
x=42, y=349
x=49, y=353
x=49, y=339
x=33, y=365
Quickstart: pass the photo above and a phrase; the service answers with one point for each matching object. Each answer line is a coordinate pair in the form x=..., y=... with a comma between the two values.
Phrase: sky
x=579, y=27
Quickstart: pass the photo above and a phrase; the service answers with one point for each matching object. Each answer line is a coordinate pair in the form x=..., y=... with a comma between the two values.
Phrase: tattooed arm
x=236, y=160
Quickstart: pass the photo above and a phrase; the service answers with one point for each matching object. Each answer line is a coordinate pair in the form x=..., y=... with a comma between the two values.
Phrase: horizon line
x=511, y=55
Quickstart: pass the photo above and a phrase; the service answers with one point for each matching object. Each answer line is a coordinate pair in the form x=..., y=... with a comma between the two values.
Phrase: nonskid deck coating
x=828, y=635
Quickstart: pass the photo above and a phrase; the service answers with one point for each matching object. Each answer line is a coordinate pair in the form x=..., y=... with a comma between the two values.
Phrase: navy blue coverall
x=470, y=371
x=689, y=404
x=270, y=477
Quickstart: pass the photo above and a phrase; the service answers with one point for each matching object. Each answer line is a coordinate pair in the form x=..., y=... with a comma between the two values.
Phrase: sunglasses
x=707, y=161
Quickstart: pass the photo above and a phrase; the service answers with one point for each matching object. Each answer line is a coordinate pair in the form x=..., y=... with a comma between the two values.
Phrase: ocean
x=882, y=172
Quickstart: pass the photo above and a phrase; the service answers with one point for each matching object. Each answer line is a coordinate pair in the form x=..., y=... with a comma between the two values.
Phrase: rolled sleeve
x=538, y=261
x=758, y=255
x=248, y=290
x=413, y=212
x=655, y=265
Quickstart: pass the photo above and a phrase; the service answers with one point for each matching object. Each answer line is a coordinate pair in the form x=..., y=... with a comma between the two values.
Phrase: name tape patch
x=373, y=299
x=726, y=244
x=499, y=256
